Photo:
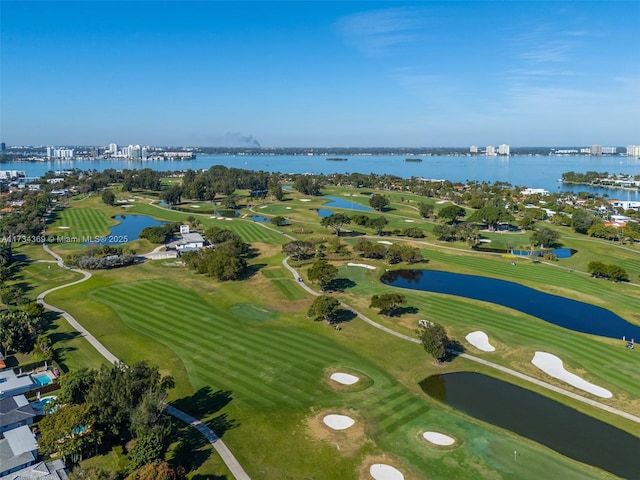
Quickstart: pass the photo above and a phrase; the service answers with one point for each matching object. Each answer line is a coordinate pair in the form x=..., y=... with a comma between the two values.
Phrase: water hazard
x=538, y=418
x=564, y=312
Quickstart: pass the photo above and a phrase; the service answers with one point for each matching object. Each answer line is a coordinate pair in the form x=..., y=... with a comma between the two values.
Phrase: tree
x=322, y=272
x=299, y=250
x=425, y=209
x=279, y=221
x=158, y=471
x=307, y=185
x=597, y=269
x=434, y=340
x=378, y=202
x=544, y=236
x=18, y=331
x=492, y=216
x=323, y=307
x=581, y=220
x=108, y=197
x=335, y=222
x=173, y=196
x=92, y=473
x=387, y=303
x=378, y=224
x=450, y=213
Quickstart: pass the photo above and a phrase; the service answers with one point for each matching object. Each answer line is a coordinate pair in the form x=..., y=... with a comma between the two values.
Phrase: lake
x=128, y=229
x=538, y=418
x=561, y=311
x=524, y=171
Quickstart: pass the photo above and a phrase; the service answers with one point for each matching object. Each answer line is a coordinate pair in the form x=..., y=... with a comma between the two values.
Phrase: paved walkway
x=227, y=457
x=482, y=361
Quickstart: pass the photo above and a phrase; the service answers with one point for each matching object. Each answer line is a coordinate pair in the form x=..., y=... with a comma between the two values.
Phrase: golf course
x=250, y=363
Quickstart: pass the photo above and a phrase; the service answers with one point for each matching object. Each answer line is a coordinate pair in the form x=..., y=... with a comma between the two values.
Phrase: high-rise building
x=490, y=151
x=595, y=150
x=113, y=148
x=473, y=149
x=609, y=150
x=633, y=150
x=50, y=151
x=3, y=147
x=504, y=149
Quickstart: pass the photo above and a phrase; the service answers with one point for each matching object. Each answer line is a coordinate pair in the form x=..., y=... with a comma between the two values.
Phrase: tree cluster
x=614, y=273
x=226, y=260
x=100, y=256
x=388, y=303
x=160, y=233
x=21, y=328
x=393, y=253
x=113, y=404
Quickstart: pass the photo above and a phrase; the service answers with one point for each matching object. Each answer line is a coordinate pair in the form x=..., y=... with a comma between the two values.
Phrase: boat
x=412, y=159
x=337, y=159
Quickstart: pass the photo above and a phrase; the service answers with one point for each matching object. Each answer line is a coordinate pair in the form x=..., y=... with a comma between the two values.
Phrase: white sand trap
x=480, y=340
x=363, y=265
x=344, y=378
x=195, y=206
x=380, y=471
x=338, y=422
x=408, y=221
x=64, y=228
x=441, y=201
x=385, y=242
x=305, y=199
x=288, y=208
x=552, y=365
x=439, y=438
x=264, y=206
x=228, y=219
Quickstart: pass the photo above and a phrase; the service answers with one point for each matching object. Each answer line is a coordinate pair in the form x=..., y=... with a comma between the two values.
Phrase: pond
x=538, y=418
x=128, y=229
x=337, y=202
x=564, y=312
x=558, y=252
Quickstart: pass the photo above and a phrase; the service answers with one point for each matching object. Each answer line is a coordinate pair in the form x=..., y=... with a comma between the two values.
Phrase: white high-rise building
x=609, y=150
x=50, y=151
x=633, y=150
x=490, y=151
x=63, y=153
x=473, y=149
x=595, y=150
x=113, y=148
x=504, y=149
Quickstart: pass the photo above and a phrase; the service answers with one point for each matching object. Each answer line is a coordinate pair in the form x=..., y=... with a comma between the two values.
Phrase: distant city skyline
x=320, y=74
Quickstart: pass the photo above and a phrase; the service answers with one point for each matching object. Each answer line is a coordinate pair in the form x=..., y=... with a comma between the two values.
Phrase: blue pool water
x=564, y=312
x=41, y=379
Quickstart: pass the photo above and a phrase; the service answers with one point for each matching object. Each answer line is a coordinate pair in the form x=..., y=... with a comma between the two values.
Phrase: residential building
x=504, y=149
x=12, y=384
x=633, y=150
x=609, y=150
x=490, y=151
x=55, y=470
x=595, y=150
x=18, y=450
x=473, y=149
x=534, y=191
x=15, y=412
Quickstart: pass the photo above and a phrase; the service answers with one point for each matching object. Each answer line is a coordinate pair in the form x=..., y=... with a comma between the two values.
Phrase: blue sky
x=320, y=73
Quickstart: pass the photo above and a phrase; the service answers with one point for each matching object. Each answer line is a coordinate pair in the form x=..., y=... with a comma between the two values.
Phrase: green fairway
x=80, y=222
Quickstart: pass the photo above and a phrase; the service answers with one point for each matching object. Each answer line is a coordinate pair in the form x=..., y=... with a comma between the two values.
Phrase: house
x=54, y=470
x=12, y=384
x=18, y=450
x=15, y=412
x=189, y=240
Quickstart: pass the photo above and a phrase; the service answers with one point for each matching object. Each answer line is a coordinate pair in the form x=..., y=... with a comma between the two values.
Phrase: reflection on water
x=538, y=418
x=564, y=312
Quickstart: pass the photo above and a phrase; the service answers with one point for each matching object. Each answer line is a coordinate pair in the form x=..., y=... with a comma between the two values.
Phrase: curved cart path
x=227, y=457
x=482, y=361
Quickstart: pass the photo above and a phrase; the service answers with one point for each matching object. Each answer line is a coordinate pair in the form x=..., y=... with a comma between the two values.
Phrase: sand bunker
x=409, y=221
x=363, y=265
x=439, y=438
x=380, y=471
x=305, y=199
x=385, y=242
x=552, y=365
x=338, y=422
x=64, y=228
x=344, y=378
x=480, y=340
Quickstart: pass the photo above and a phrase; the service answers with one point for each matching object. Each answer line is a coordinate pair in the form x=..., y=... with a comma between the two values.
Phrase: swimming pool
x=42, y=378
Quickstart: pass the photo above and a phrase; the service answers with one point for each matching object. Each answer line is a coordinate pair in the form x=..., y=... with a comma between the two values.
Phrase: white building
x=473, y=149
x=534, y=191
x=113, y=148
x=609, y=150
x=504, y=149
x=633, y=150
x=490, y=151
x=595, y=150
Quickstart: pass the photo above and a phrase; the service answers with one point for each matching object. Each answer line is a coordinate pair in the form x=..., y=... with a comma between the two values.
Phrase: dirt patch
x=348, y=442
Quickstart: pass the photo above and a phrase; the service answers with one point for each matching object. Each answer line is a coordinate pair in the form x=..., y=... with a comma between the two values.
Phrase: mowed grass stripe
x=297, y=345
x=399, y=418
x=289, y=289
x=89, y=222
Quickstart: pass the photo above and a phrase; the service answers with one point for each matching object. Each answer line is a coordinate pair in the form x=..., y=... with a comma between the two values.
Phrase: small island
x=412, y=159
x=337, y=159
